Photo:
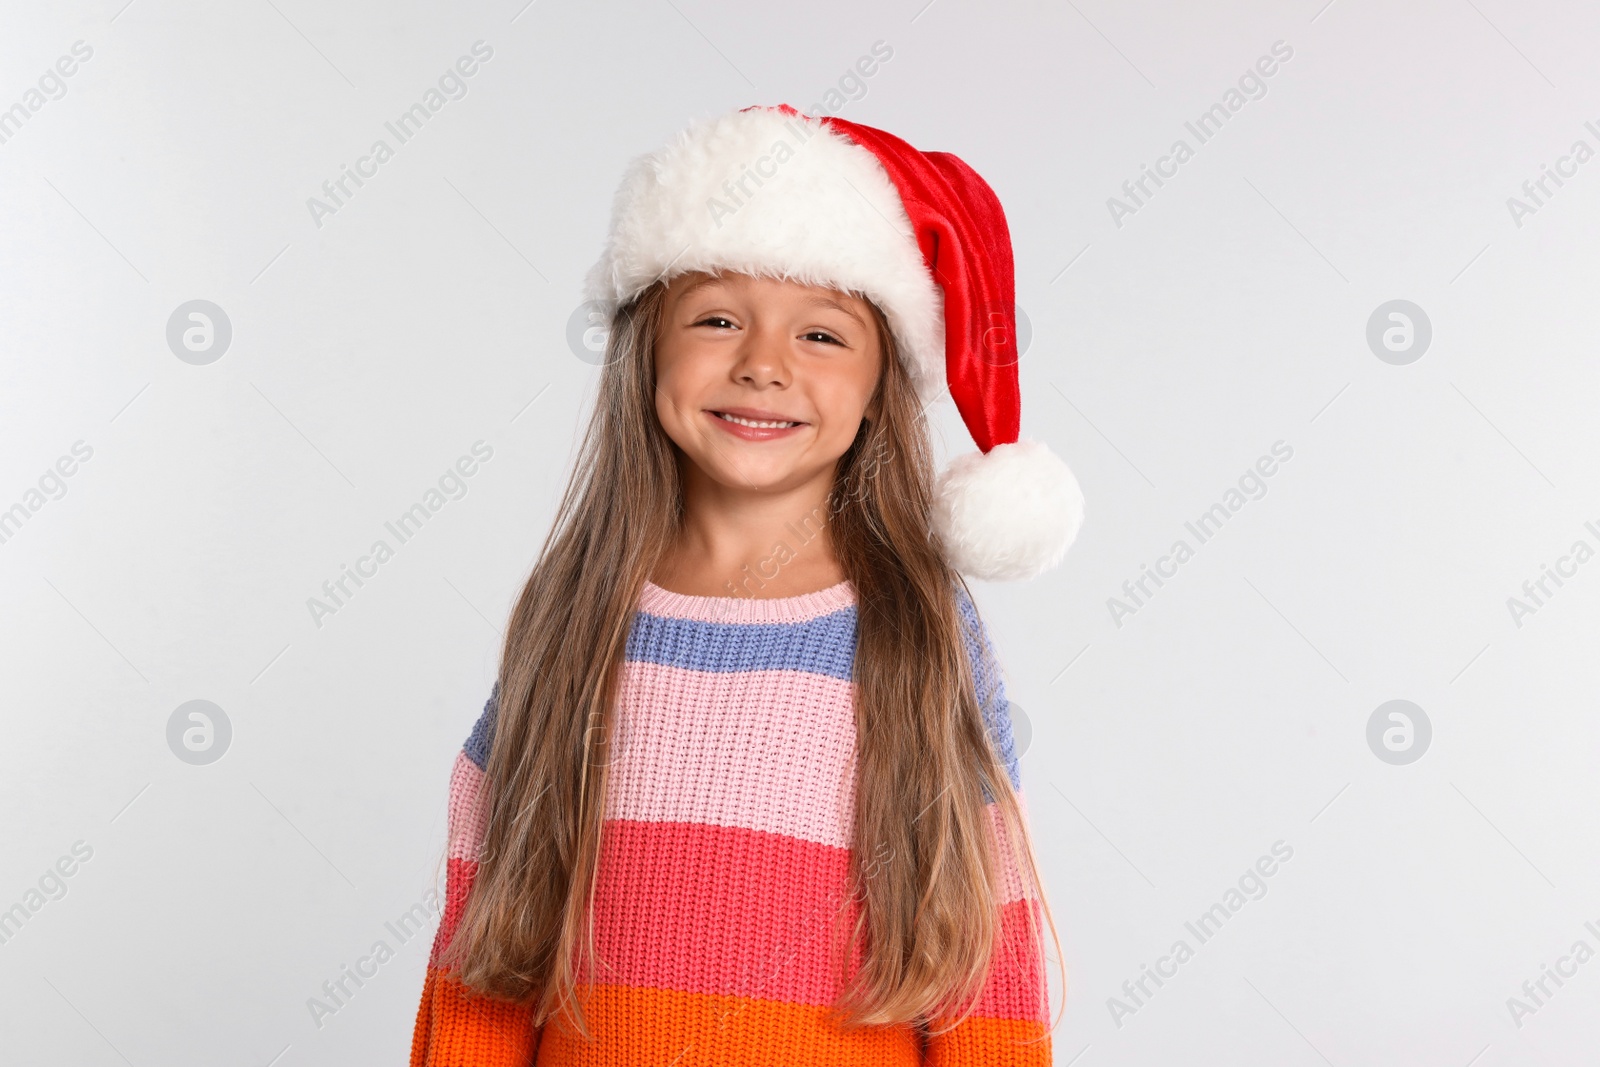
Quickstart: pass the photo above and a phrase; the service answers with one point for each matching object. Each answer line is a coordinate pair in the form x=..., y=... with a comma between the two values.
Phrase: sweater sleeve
x=1009, y=1027
x=457, y=1027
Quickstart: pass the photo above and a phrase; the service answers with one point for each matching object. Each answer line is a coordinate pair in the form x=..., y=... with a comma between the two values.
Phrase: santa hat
x=824, y=201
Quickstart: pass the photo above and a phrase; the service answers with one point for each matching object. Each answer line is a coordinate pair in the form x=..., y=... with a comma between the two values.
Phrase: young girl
x=746, y=790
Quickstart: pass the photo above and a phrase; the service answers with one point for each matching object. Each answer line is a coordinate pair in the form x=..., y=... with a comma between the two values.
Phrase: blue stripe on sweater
x=477, y=746
x=991, y=689
x=824, y=645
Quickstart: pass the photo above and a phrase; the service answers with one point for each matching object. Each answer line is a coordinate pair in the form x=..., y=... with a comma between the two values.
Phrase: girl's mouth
x=754, y=429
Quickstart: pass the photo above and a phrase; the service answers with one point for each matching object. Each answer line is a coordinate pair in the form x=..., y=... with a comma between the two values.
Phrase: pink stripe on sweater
x=469, y=812
x=1011, y=868
x=763, y=750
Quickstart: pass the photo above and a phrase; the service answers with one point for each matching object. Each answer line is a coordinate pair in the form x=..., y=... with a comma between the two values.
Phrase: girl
x=745, y=791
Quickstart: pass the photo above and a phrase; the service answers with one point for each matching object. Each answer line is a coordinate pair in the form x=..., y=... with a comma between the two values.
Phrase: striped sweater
x=725, y=859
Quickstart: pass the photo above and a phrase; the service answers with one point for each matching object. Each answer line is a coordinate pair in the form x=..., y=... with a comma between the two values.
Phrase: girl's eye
x=826, y=337
x=713, y=318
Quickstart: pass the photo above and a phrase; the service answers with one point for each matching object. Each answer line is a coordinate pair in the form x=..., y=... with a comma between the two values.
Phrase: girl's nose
x=763, y=358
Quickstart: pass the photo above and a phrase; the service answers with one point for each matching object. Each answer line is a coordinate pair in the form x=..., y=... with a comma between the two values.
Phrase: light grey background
x=1169, y=353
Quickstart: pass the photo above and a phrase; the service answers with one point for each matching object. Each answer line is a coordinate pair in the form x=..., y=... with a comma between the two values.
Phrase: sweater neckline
x=798, y=608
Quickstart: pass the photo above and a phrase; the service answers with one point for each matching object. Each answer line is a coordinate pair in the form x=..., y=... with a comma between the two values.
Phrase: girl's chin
x=762, y=479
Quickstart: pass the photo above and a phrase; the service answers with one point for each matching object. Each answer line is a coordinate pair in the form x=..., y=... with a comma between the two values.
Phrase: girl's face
x=796, y=364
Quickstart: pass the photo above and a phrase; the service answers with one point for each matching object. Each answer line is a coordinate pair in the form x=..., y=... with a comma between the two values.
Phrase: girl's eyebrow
x=696, y=286
x=829, y=302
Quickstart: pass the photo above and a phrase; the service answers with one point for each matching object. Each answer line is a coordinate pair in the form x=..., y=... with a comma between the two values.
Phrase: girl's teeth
x=756, y=423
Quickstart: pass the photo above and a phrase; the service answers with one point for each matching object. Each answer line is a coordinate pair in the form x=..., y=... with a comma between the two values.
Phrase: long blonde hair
x=922, y=865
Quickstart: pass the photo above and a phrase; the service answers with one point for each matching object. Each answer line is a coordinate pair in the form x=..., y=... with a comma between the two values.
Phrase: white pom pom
x=1009, y=513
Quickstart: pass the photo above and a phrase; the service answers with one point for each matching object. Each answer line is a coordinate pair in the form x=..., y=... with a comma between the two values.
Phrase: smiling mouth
x=758, y=424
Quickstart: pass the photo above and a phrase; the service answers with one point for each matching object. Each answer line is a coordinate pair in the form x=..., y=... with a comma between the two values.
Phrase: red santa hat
x=824, y=201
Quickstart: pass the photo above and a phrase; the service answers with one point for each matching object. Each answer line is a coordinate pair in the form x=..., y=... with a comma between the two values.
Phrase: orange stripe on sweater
x=662, y=1028
x=980, y=1042
x=458, y=1028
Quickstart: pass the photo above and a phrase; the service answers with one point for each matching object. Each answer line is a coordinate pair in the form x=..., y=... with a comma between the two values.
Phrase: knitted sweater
x=724, y=860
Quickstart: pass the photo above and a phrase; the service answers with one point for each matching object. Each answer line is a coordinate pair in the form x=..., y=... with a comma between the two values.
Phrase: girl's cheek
x=667, y=412
x=672, y=386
